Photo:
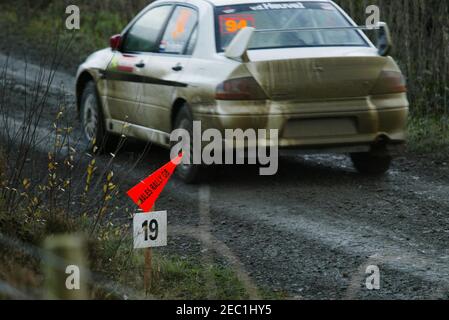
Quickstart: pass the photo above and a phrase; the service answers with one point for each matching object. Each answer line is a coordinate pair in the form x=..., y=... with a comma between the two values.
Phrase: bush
x=420, y=31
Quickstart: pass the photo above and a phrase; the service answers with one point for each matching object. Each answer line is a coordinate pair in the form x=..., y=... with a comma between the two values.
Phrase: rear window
x=286, y=16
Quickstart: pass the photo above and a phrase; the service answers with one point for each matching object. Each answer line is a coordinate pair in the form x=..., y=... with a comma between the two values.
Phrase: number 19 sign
x=150, y=230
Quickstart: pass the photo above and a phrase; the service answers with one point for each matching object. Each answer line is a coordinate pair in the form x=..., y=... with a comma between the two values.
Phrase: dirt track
x=312, y=229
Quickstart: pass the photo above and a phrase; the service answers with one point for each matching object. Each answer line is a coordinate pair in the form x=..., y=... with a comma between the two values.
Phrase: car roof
x=231, y=2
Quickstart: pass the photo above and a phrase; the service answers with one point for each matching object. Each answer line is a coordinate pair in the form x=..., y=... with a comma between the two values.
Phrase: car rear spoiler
x=237, y=49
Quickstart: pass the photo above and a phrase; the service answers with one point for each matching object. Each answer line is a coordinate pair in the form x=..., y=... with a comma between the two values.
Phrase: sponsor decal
x=229, y=11
x=277, y=6
x=114, y=63
x=327, y=6
x=126, y=64
x=123, y=64
x=163, y=46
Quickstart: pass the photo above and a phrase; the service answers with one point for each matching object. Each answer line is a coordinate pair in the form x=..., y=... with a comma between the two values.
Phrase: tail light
x=240, y=89
x=390, y=82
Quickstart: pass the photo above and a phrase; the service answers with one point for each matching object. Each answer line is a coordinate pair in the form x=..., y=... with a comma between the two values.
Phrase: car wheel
x=92, y=120
x=376, y=162
x=189, y=173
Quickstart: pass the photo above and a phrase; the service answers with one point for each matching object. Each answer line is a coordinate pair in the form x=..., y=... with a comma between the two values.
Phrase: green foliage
x=99, y=21
x=420, y=31
x=429, y=135
x=180, y=278
x=8, y=17
x=173, y=277
x=111, y=254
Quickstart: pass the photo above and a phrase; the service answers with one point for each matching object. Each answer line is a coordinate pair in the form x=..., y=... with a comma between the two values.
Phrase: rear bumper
x=316, y=125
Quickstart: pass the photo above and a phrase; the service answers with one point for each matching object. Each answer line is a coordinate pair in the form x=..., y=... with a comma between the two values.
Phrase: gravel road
x=311, y=230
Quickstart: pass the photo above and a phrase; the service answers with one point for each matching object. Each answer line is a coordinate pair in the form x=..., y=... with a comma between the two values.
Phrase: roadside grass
x=112, y=257
x=110, y=252
x=177, y=278
x=429, y=135
x=173, y=276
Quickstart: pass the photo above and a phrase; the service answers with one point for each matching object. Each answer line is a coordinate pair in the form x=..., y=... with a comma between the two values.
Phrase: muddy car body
x=317, y=79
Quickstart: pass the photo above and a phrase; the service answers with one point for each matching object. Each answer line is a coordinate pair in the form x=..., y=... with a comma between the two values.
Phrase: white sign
x=150, y=229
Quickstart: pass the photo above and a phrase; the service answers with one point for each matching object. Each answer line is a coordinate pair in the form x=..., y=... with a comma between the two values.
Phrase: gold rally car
x=302, y=67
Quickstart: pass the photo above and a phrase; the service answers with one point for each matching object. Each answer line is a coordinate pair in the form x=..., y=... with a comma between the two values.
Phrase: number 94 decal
x=232, y=23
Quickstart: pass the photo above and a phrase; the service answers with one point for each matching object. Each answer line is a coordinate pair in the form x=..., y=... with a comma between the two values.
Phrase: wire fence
x=56, y=262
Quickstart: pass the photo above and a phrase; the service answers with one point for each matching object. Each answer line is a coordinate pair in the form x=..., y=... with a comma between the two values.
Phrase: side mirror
x=384, y=42
x=239, y=45
x=115, y=42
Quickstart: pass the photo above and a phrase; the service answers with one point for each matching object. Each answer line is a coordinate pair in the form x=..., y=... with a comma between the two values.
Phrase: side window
x=192, y=42
x=179, y=30
x=144, y=34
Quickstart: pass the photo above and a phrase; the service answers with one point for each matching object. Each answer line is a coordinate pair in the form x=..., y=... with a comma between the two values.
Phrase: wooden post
x=148, y=269
x=148, y=274
x=65, y=268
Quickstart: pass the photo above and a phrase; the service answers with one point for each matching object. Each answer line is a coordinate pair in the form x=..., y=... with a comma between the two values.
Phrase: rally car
x=302, y=67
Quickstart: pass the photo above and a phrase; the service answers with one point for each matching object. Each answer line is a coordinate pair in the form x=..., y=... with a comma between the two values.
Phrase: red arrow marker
x=147, y=191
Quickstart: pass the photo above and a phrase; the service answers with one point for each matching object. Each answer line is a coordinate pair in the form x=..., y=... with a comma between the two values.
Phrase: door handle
x=141, y=64
x=177, y=68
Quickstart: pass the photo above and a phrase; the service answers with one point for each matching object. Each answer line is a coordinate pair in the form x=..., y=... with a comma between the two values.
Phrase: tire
x=188, y=173
x=377, y=162
x=92, y=121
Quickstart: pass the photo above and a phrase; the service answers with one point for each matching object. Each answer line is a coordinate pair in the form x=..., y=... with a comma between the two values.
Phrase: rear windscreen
x=286, y=16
